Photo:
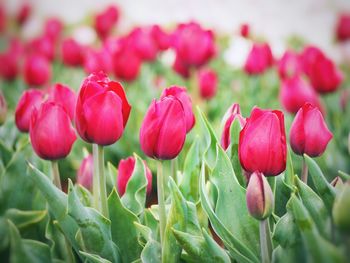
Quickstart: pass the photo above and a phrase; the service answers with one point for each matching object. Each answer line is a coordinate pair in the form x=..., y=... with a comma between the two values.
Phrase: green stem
x=56, y=174
x=304, y=172
x=174, y=169
x=161, y=203
x=265, y=256
x=103, y=189
x=96, y=178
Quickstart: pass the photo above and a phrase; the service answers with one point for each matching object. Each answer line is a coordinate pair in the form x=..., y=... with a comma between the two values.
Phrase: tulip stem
x=174, y=168
x=56, y=174
x=304, y=172
x=96, y=177
x=265, y=255
x=161, y=204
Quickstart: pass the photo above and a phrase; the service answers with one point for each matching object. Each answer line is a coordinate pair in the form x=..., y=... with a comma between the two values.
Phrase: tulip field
x=148, y=146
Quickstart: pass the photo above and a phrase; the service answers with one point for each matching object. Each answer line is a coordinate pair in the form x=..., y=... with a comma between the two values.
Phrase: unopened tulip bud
x=3, y=109
x=85, y=172
x=341, y=208
x=260, y=201
x=207, y=81
x=37, y=70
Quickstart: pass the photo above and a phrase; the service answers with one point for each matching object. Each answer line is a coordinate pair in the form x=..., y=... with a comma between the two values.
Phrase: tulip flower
x=23, y=13
x=125, y=170
x=29, y=100
x=102, y=110
x=234, y=112
x=144, y=44
x=163, y=129
x=97, y=60
x=260, y=201
x=84, y=175
x=8, y=66
x=181, y=94
x=64, y=96
x=289, y=65
x=180, y=68
x=42, y=45
x=309, y=133
x=3, y=109
x=106, y=20
x=53, y=29
x=244, y=30
x=160, y=37
x=37, y=70
x=295, y=92
x=72, y=52
x=207, y=81
x=51, y=132
x=259, y=59
x=262, y=143
x=3, y=20
x=309, y=57
x=343, y=27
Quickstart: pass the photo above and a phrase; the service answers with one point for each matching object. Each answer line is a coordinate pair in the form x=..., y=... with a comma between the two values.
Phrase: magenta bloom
x=64, y=96
x=85, y=172
x=72, y=52
x=106, y=20
x=37, y=70
x=343, y=27
x=207, y=81
x=259, y=59
x=289, y=65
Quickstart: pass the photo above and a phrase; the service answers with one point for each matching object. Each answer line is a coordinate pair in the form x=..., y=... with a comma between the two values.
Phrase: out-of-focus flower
x=142, y=41
x=37, y=70
x=161, y=38
x=295, y=92
x=29, y=100
x=262, y=143
x=85, y=172
x=3, y=22
x=8, y=65
x=23, y=13
x=244, y=30
x=180, y=67
x=106, y=20
x=63, y=96
x=234, y=112
x=181, y=94
x=259, y=59
x=102, y=110
x=51, y=132
x=289, y=65
x=3, y=109
x=97, y=60
x=309, y=57
x=207, y=81
x=53, y=29
x=125, y=170
x=42, y=45
x=343, y=27
x=72, y=52
x=163, y=130
x=309, y=132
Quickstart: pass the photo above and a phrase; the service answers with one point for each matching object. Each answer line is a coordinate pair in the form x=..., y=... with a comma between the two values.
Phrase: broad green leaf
x=5, y=154
x=323, y=188
x=134, y=197
x=22, y=219
x=286, y=233
x=289, y=254
x=344, y=175
x=84, y=195
x=282, y=195
x=93, y=258
x=124, y=232
x=320, y=249
x=151, y=252
x=289, y=173
x=230, y=206
x=25, y=250
x=237, y=249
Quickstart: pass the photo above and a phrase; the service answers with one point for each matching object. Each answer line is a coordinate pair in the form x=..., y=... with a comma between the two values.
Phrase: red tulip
x=3, y=19
x=105, y=21
x=161, y=38
x=181, y=68
x=289, y=65
x=37, y=70
x=65, y=97
x=309, y=133
x=51, y=132
x=72, y=52
x=97, y=60
x=260, y=201
x=43, y=46
x=181, y=94
x=244, y=30
x=262, y=143
x=85, y=172
x=295, y=92
x=343, y=27
x=53, y=29
x=234, y=112
x=102, y=110
x=29, y=100
x=309, y=57
x=193, y=45
x=207, y=80
x=259, y=59
x=3, y=109
x=142, y=41
x=125, y=170
x=163, y=130
x=8, y=65
x=23, y=13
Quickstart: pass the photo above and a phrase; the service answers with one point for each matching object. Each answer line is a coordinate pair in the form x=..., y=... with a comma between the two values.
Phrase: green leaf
x=151, y=252
x=94, y=258
x=22, y=219
x=344, y=175
x=320, y=249
x=84, y=195
x=286, y=232
x=289, y=173
x=25, y=250
x=134, y=197
x=238, y=250
x=124, y=232
x=230, y=206
x=323, y=188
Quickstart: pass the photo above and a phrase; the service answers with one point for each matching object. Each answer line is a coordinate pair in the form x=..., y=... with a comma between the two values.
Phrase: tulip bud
x=72, y=52
x=341, y=208
x=208, y=81
x=244, y=30
x=23, y=13
x=106, y=20
x=143, y=43
x=96, y=61
x=163, y=130
x=161, y=38
x=37, y=70
x=43, y=46
x=53, y=29
x=343, y=27
x=102, y=110
x=51, y=132
x=234, y=112
x=259, y=59
x=309, y=133
x=29, y=100
x=262, y=143
x=181, y=68
x=260, y=201
x=8, y=65
x=126, y=63
x=125, y=170
x=65, y=97
x=289, y=65
x=181, y=94
x=85, y=172
x=295, y=92
x=3, y=109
